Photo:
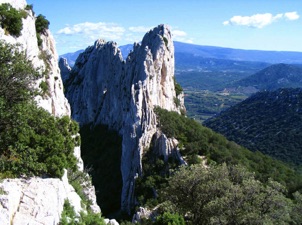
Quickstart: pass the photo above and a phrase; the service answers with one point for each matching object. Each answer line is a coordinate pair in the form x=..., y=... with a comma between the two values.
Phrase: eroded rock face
x=35, y=200
x=105, y=89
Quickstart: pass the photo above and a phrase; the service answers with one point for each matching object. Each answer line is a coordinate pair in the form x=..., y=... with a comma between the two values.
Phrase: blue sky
x=245, y=24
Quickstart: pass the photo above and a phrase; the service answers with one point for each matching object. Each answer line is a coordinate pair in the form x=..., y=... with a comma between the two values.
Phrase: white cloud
x=178, y=33
x=84, y=34
x=291, y=15
x=94, y=30
x=140, y=29
x=260, y=20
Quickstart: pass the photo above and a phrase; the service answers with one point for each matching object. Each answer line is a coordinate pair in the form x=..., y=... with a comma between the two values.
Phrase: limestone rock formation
x=105, y=89
x=37, y=200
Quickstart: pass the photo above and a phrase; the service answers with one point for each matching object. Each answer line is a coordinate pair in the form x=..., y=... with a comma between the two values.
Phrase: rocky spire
x=105, y=89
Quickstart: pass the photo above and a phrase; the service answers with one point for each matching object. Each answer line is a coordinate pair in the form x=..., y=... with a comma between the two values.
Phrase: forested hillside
x=221, y=177
x=267, y=121
x=274, y=77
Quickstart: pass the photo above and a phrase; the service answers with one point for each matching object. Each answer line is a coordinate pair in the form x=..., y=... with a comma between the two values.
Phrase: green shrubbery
x=170, y=219
x=69, y=217
x=178, y=88
x=201, y=141
x=229, y=195
x=32, y=141
x=11, y=19
x=237, y=187
x=42, y=24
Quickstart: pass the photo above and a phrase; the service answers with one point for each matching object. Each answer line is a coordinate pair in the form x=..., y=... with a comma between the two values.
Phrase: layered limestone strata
x=104, y=89
x=37, y=200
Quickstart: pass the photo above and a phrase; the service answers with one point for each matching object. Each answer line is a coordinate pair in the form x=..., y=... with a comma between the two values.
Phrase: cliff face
x=38, y=200
x=104, y=89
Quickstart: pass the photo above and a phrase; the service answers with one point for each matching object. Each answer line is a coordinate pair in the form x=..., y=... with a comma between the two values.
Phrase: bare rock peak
x=105, y=89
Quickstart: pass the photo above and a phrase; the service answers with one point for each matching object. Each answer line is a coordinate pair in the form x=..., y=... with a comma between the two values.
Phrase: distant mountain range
x=268, y=121
x=201, y=52
x=238, y=54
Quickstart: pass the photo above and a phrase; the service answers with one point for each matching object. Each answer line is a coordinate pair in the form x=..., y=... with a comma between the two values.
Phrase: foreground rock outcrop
x=37, y=200
x=102, y=88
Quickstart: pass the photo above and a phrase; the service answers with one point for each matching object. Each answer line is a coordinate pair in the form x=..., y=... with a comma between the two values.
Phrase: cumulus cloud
x=291, y=15
x=260, y=20
x=140, y=29
x=94, y=30
x=81, y=35
x=179, y=35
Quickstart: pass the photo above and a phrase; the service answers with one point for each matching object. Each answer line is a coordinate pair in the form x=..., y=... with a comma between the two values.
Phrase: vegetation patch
x=11, y=19
x=69, y=217
x=32, y=141
x=42, y=24
x=178, y=88
x=236, y=186
x=229, y=195
x=198, y=140
x=267, y=121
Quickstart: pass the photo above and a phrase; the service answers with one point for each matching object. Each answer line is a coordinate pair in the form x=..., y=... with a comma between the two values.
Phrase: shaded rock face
x=65, y=69
x=105, y=89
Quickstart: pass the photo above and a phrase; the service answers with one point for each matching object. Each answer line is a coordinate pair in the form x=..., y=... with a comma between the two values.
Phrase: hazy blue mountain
x=72, y=57
x=268, y=121
x=125, y=49
x=238, y=54
x=197, y=53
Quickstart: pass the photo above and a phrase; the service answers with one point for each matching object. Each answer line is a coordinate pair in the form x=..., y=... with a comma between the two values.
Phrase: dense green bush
x=32, y=141
x=228, y=195
x=42, y=24
x=170, y=219
x=11, y=19
x=17, y=74
x=69, y=217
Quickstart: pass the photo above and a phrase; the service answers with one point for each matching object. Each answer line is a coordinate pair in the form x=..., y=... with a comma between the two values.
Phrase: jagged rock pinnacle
x=105, y=89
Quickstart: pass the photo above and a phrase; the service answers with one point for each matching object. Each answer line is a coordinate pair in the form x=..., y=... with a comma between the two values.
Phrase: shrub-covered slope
x=223, y=183
x=267, y=121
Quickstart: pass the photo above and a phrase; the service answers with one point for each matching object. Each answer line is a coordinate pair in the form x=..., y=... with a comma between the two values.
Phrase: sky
x=244, y=24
